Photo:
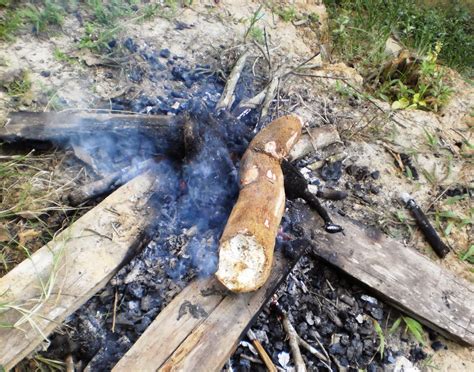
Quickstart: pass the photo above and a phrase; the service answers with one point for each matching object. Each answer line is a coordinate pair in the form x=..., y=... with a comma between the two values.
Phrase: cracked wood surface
x=77, y=262
x=201, y=343
x=403, y=277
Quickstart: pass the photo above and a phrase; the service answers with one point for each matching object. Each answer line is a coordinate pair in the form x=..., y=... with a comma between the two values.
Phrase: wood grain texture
x=66, y=126
x=405, y=278
x=205, y=343
x=81, y=259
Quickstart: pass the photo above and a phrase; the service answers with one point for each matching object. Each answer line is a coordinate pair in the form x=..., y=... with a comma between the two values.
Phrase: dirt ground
x=370, y=138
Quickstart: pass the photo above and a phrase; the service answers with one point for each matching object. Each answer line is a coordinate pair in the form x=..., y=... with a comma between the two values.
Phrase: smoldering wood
x=296, y=187
x=77, y=263
x=107, y=184
x=403, y=277
x=62, y=127
x=185, y=344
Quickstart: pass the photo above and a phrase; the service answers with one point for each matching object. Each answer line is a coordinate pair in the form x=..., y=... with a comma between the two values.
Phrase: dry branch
x=227, y=97
x=97, y=188
x=247, y=243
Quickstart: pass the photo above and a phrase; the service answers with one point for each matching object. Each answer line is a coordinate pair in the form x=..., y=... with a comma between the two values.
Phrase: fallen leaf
x=26, y=236
x=4, y=234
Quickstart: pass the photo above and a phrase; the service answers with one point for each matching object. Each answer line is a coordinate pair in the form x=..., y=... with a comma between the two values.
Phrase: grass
x=19, y=86
x=360, y=29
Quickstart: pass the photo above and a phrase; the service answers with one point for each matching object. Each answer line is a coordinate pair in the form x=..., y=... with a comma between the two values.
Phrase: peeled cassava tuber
x=247, y=243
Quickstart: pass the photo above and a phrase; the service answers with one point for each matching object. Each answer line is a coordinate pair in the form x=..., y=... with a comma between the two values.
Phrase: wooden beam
x=42, y=291
x=201, y=343
x=68, y=126
x=403, y=277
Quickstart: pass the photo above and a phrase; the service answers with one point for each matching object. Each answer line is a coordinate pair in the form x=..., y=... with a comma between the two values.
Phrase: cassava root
x=247, y=243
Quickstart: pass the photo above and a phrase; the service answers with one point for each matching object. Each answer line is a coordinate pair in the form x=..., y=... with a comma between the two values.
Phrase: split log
x=403, y=277
x=317, y=138
x=247, y=243
x=66, y=126
x=43, y=290
x=201, y=344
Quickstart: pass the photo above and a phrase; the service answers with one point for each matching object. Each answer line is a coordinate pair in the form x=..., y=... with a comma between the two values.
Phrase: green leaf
x=379, y=331
x=469, y=255
x=401, y=104
x=395, y=326
x=415, y=329
x=448, y=229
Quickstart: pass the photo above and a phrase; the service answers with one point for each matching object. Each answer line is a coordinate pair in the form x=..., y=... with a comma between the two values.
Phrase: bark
x=247, y=243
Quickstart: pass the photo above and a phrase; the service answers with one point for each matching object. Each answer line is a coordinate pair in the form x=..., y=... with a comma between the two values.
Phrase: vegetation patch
x=361, y=28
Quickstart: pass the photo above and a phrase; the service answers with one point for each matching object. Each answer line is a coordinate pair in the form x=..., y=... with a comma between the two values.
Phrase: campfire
x=203, y=240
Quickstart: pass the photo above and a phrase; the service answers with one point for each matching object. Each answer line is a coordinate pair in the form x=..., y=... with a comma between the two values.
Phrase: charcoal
x=438, y=345
x=150, y=301
x=417, y=353
x=136, y=290
x=136, y=74
x=45, y=73
x=337, y=348
x=130, y=45
x=375, y=175
x=331, y=171
x=165, y=53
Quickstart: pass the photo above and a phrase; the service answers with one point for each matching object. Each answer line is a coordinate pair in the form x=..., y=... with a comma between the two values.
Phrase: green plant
x=11, y=22
x=412, y=326
x=19, y=86
x=287, y=14
x=468, y=255
x=251, y=29
x=50, y=14
x=360, y=29
x=379, y=331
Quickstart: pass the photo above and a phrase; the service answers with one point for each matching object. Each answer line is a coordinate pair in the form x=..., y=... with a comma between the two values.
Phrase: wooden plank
x=403, y=277
x=166, y=130
x=65, y=273
x=203, y=344
x=169, y=329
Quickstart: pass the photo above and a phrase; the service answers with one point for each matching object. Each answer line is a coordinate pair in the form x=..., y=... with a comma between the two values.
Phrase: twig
x=227, y=97
x=261, y=351
x=114, y=314
x=294, y=344
x=315, y=352
x=252, y=359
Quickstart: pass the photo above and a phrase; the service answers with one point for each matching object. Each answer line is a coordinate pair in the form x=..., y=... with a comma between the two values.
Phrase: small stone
x=369, y=299
x=165, y=53
x=377, y=313
x=332, y=171
x=45, y=73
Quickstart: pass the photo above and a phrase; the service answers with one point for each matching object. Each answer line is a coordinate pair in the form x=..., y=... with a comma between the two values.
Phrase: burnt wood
x=64, y=127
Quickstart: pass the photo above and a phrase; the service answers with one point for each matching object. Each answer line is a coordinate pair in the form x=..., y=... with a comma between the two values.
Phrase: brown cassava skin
x=261, y=203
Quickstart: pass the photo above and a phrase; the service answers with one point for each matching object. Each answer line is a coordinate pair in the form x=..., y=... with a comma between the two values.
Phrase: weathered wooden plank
x=170, y=329
x=65, y=273
x=206, y=343
x=166, y=130
x=405, y=278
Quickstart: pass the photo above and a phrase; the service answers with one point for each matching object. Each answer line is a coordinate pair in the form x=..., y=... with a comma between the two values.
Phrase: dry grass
x=31, y=210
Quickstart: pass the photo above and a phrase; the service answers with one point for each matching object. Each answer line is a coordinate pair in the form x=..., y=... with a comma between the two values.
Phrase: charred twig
x=108, y=183
x=427, y=229
x=261, y=351
x=293, y=341
x=331, y=194
x=227, y=97
x=297, y=187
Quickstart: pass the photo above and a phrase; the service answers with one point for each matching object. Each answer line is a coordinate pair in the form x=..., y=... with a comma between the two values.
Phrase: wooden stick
x=227, y=97
x=261, y=351
x=294, y=344
x=97, y=188
x=58, y=278
x=247, y=243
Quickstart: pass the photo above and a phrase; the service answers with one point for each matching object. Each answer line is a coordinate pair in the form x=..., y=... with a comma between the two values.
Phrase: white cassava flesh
x=241, y=262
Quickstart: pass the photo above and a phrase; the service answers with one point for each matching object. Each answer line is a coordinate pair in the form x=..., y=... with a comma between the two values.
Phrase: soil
x=322, y=302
